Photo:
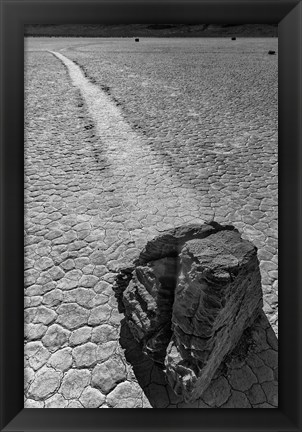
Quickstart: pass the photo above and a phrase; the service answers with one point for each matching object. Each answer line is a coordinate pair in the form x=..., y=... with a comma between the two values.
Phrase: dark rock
x=148, y=302
x=136, y=39
x=272, y=52
x=188, y=299
x=168, y=244
x=171, y=241
x=233, y=38
x=121, y=282
x=218, y=295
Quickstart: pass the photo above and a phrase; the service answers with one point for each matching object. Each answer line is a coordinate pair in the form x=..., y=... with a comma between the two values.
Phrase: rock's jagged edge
x=167, y=244
x=188, y=307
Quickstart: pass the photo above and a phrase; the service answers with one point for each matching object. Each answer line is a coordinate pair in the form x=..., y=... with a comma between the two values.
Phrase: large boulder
x=218, y=295
x=188, y=299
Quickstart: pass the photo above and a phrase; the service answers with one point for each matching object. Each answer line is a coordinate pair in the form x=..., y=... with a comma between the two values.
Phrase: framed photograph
x=150, y=181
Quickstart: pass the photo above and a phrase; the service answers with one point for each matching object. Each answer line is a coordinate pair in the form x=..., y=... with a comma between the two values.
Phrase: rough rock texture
x=146, y=291
x=148, y=302
x=218, y=295
x=188, y=299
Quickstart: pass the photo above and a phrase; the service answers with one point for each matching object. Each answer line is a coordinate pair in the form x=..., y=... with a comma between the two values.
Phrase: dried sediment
x=191, y=302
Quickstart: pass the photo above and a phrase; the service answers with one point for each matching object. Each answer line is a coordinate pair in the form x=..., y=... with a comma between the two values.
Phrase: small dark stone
x=272, y=52
x=136, y=39
x=233, y=38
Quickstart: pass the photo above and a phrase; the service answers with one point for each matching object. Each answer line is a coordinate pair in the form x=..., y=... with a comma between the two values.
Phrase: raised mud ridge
x=188, y=299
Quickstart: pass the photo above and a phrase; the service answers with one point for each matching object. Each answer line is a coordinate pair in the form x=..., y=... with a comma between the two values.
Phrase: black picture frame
x=14, y=15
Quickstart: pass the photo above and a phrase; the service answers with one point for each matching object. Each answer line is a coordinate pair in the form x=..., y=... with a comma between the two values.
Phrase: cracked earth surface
x=139, y=143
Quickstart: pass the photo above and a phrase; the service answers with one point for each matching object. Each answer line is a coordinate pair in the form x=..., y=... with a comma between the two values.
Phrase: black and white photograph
x=151, y=215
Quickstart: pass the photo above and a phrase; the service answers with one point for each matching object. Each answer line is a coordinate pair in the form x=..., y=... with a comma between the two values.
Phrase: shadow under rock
x=247, y=378
x=149, y=376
